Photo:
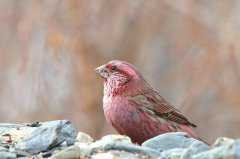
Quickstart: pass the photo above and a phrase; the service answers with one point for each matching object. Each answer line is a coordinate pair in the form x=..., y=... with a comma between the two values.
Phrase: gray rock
x=171, y=141
x=228, y=150
x=109, y=139
x=7, y=155
x=59, y=140
x=184, y=153
x=120, y=155
x=72, y=152
x=194, y=148
x=48, y=135
x=174, y=153
x=6, y=126
x=13, y=133
x=3, y=148
x=19, y=153
x=109, y=144
x=81, y=149
x=121, y=143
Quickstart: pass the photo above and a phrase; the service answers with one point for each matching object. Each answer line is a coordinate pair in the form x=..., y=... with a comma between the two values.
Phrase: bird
x=134, y=108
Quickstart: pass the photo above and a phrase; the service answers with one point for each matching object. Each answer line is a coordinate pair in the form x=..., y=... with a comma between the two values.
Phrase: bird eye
x=113, y=68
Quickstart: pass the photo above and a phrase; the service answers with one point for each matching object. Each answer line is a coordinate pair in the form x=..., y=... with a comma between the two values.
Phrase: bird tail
x=189, y=130
x=191, y=133
x=200, y=139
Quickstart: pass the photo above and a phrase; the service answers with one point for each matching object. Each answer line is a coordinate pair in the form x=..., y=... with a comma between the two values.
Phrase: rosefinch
x=134, y=108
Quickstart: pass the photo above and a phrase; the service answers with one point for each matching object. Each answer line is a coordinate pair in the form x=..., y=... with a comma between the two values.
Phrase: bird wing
x=156, y=104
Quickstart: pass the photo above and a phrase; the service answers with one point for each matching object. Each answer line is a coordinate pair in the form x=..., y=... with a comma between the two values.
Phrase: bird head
x=119, y=71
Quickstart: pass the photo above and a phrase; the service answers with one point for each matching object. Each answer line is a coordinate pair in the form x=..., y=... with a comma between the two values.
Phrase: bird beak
x=102, y=71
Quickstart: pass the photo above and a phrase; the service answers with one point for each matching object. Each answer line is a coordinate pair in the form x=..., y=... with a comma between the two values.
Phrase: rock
x=171, y=141
x=108, y=141
x=121, y=143
x=131, y=148
x=176, y=145
x=115, y=138
x=59, y=140
x=19, y=153
x=7, y=126
x=222, y=141
x=81, y=149
x=3, y=148
x=174, y=153
x=226, y=150
x=119, y=155
x=7, y=155
x=194, y=148
x=13, y=133
x=107, y=145
x=72, y=152
x=104, y=156
x=84, y=138
x=46, y=136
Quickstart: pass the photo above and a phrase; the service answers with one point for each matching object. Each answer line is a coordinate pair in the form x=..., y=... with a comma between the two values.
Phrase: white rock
x=84, y=138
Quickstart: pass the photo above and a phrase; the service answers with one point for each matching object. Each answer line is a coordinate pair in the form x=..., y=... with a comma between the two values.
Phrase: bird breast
x=119, y=111
x=128, y=119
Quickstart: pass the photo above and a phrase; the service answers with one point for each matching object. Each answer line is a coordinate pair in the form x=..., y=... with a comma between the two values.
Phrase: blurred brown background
x=188, y=50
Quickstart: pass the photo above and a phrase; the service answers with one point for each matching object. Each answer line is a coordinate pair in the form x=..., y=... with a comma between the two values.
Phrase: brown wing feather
x=157, y=104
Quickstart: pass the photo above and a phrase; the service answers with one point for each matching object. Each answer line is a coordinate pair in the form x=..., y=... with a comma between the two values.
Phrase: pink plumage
x=134, y=108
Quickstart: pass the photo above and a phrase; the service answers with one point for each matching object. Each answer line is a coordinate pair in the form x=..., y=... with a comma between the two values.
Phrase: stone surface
x=25, y=140
x=69, y=153
x=122, y=143
x=110, y=146
x=7, y=155
x=194, y=148
x=84, y=138
x=119, y=155
x=227, y=150
x=174, y=153
x=111, y=139
x=176, y=145
x=59, y=140
x=170, y=141
x=47, y=135
x=223, y=141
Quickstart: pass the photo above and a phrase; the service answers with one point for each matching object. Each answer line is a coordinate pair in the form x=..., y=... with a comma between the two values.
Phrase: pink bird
x=134, y=108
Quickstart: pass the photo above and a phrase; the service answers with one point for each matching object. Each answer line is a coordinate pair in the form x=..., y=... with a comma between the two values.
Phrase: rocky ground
x=60, y=140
